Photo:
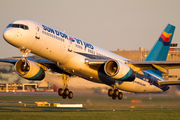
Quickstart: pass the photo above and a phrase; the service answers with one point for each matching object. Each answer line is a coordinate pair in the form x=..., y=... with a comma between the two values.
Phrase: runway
x=78, y=94
x=96, y=111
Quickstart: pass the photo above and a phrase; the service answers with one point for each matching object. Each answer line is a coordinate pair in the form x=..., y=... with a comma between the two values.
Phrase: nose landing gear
x=65, y=92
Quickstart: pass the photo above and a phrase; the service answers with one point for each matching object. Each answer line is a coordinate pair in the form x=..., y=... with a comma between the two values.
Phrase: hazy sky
x=110, y=24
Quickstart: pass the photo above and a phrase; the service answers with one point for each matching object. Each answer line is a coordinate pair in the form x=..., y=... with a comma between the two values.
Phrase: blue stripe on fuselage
x=153, y=80
x=91, y=56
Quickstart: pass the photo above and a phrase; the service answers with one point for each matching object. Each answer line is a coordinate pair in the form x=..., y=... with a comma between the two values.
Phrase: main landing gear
x=115, y=93
x=65, y=92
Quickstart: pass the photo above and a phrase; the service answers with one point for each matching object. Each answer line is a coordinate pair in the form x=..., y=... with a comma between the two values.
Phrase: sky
x=109, y=24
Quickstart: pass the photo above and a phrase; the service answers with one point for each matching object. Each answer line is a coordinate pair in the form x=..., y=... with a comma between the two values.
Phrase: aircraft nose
x=9, y=35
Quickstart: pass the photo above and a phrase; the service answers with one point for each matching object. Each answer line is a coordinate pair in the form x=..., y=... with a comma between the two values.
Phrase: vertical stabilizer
x=160, y=50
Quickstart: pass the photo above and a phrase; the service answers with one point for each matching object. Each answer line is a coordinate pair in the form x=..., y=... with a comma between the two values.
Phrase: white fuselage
x=70, y=54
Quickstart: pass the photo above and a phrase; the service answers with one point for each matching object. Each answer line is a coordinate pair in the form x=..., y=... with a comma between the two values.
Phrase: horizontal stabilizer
x=169, y=82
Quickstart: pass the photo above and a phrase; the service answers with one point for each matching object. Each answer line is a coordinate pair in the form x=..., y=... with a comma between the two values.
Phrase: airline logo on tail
x=165, y=38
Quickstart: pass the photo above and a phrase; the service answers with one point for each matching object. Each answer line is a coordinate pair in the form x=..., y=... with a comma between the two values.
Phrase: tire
x=64, y=96
x=60, y=92
x=66, y=92
x=113, y=97
x=116, y=92
x=120, y=96
x=110, y=92
x=70, y=96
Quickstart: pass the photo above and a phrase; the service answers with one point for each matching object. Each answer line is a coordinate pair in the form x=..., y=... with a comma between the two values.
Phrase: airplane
x=71, y=56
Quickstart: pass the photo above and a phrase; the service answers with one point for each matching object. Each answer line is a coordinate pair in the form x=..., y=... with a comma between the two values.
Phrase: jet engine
x=119, y=71
x=29, y=70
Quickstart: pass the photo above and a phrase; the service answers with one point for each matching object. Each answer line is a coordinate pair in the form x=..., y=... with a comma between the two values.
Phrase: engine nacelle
x=119, y=71
x=29, y=69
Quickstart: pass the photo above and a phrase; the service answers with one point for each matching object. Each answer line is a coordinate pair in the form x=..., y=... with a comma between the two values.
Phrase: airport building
x=10, y=81
x=141, y=54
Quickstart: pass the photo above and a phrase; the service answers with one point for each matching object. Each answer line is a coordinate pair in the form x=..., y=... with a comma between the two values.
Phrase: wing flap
x=160, y=68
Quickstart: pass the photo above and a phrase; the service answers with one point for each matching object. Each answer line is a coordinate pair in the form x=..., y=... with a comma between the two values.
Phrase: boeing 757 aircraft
x=70, y=56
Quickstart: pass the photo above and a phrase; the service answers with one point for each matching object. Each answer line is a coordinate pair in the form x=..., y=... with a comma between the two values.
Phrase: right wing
x=12, y=61
x=44, y=62
x=139, y=66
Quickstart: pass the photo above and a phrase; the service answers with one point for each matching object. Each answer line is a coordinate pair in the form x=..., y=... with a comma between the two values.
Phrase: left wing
x=139, y=66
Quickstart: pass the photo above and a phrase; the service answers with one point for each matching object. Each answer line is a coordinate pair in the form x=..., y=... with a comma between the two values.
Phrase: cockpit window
x=9, y=25
x=15, y=25
x=25, y=27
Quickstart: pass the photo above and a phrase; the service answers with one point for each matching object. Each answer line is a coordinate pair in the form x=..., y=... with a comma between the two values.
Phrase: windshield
x=25, y=27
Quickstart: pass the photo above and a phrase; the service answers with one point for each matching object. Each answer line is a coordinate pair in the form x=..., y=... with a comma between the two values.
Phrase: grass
x=125, y=115
x=95, y=107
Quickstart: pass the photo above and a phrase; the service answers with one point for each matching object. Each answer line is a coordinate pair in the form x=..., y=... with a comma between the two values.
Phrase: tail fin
x=160, y=50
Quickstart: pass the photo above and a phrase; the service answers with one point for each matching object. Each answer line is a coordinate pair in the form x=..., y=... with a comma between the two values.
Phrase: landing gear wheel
x=64, y=96
x=116, y=92
x=70, y=96
x=120, y=96
x=66, y=92
x=60, y=92
x=113, y=97
x=110, y=92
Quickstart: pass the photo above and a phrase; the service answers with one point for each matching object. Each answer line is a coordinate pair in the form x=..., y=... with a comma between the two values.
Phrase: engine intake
x=29, y=69
x=119, y=71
